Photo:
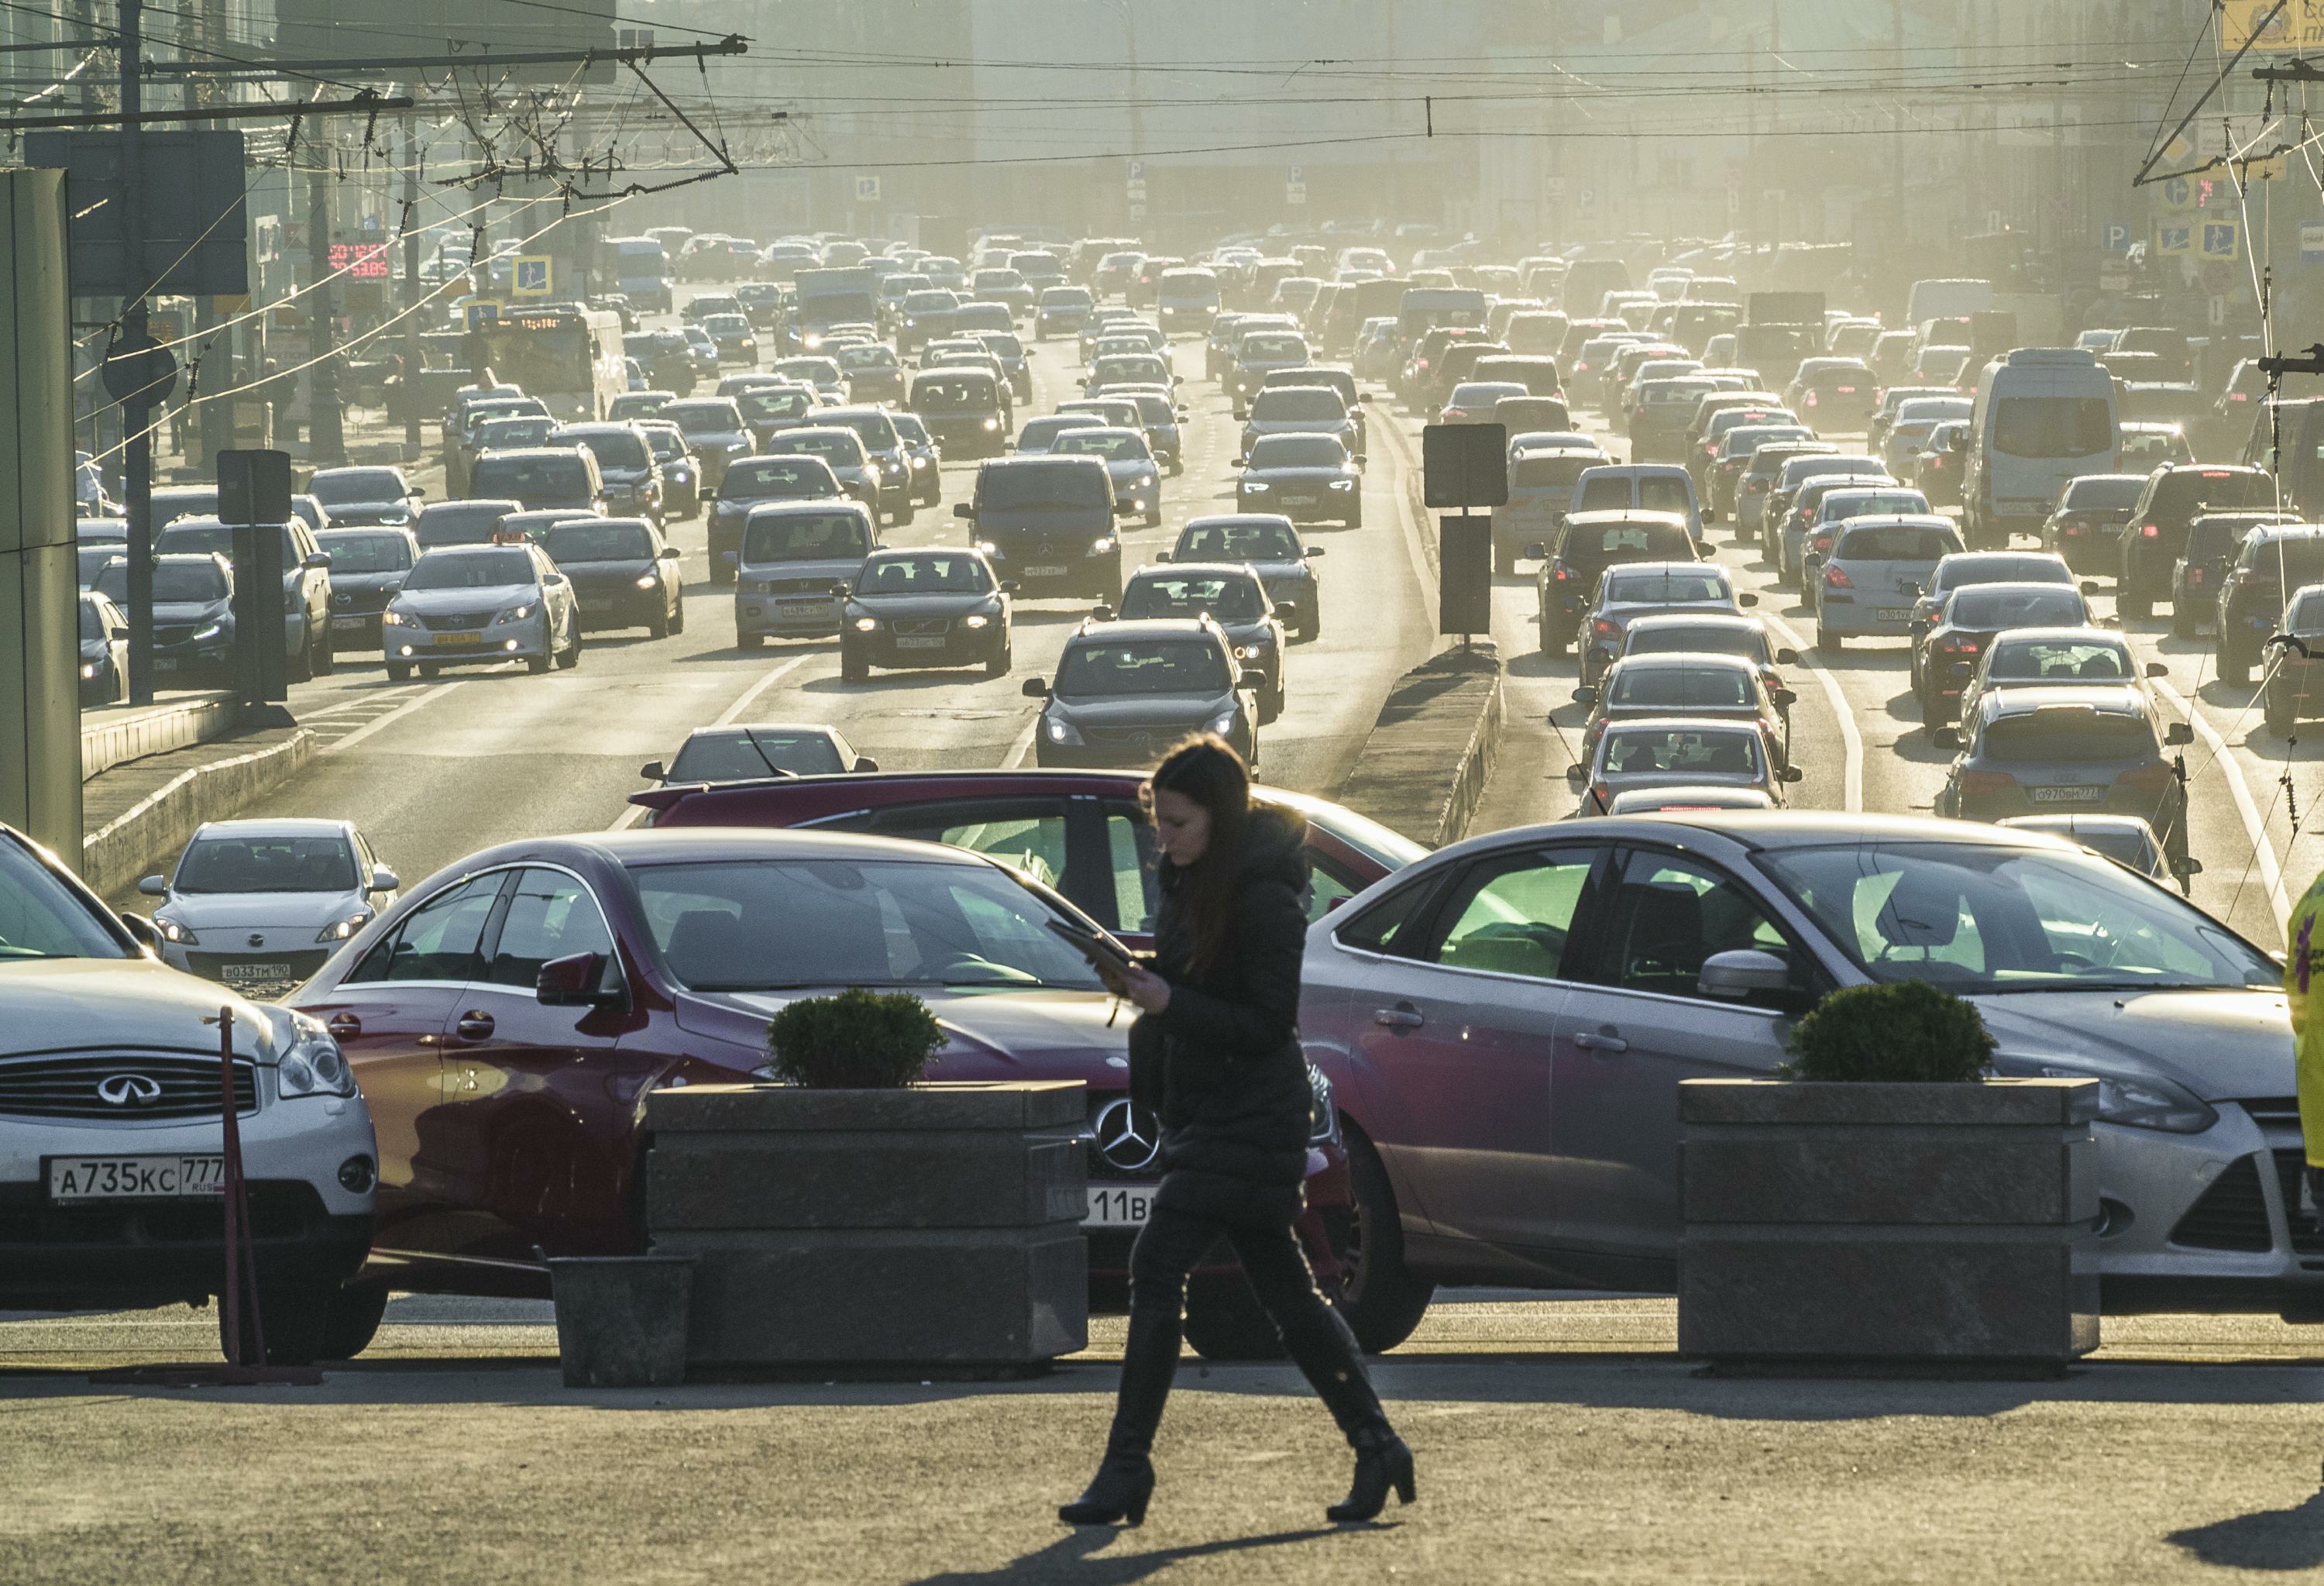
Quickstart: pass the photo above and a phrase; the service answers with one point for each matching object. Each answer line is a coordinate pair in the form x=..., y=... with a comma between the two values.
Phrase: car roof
x=1135, y=628
x=1683, y=724
x=2055, y=635
x=283, y=826
x=742, y=729
x=1600, y=516
x=2116, y=699
x=1676, y=660
x=1197, y=569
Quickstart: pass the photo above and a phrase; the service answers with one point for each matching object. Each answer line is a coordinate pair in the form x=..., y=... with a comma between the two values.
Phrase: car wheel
x=302, y=664
x=537, y=664
x=1311, y=623
x=572, y=655
x=326, y=657
x=1505, y=562
x=2182, y=621
x=749, y=641
x=294, y=1313
x=2136, y=608
x=398, y=673
x=429, y=668
x=1271, y=704
x=720, y=573
x=2234, y=668
x=352, y=1321
x=998, y=663
x=1355, y=520
x=1225, y=1322
x=1829, y=640
x=660, y=626
x=2278, y=712
x=905, y=513
x=854, y=668
x=678, y=617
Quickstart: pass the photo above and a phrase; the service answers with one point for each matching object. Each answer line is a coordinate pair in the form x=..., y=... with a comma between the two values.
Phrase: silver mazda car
x=260, y=904
x=1506, y=1023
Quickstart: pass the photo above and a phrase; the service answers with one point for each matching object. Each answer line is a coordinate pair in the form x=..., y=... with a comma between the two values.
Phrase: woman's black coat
x=1232, y=1089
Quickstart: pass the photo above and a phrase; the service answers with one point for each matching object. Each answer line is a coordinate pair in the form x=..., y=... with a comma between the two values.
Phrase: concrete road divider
x=1424, y=769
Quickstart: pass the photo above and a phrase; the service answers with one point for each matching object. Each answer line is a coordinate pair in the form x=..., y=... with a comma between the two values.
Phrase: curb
x=1424, y=769
x=113, y=859
x=116, y=734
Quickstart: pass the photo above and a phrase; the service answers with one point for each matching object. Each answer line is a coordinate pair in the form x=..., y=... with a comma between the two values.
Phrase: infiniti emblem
x=128, y=1090
x=1127, y=1135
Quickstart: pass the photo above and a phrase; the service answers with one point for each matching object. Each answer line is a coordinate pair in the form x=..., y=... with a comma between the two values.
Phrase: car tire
x=720, y=573
x=659, y=627
x=905, y=513
x=998, y=664
x=2277, y=712
x=1828, y=640
x=1311, y=623
x=1505, y=562
x=2182, y=621
x=678, y=617
x=327, y=656
x=352, y=1321
x=398, y=672
x=301, y=665
x=2135, y=608
x=293, y=1312
x=572, y=655
x=429, y=668
x=2234, y=668
x=749, y=641
x=853, y=667
x=537, y=664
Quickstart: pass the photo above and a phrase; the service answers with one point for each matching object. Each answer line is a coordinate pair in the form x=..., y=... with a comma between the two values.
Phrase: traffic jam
x=1836, y=649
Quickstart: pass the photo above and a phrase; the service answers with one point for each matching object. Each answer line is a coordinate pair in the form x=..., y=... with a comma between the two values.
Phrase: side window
x=438, y=940
x=1130, y=853
x=1669, y=914
x=1392, y=925
x=550, y=915
x=1029, y=835
x=1514, y=914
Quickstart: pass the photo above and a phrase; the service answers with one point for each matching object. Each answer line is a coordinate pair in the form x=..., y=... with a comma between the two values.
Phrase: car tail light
x=1603, y=627
x=1560, y=572
x=2151, y=531
x=1598, y=791
x=1959, y=647
x=1846, y=390
x=2146, y=778
x=1834, y=579
x=1811, y=399
x=2194, y=575
x=1754, y=485
x=1980, y=784
x=2236, y=396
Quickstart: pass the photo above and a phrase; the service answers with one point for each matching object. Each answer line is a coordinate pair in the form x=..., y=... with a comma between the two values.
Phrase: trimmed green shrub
x=859, y=1040
x=1909, y=1030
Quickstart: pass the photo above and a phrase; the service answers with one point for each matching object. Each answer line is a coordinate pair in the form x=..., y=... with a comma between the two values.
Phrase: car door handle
x=1403, y=1016
x=345, y=1026
x=475, y=1027
x=1597, y=1042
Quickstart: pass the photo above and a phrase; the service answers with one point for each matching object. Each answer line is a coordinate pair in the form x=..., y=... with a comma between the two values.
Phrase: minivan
x=795, y=554
x=1048, y=523
x=540, y=477
x=1639, y=487
x=966, y=410
x=2042, y=415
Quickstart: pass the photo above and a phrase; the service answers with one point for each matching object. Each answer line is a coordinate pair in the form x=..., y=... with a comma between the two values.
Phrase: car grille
x=456, y=622
x=2307, y=1239
x=68, y=1087
x=168, y=633
x=2272, y=1109
x=921, y=627
x=1139, y=738
x=2230, y=1215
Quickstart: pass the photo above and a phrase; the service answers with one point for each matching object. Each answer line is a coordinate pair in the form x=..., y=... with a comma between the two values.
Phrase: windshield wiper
x=2068, y=984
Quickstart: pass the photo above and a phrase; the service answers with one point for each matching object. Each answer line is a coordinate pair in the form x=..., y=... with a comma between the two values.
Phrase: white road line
x=359, y=702
x=2270, y=872
x=397, y=714
x=1022, y=749
x=1851, y=780
x=633, y=812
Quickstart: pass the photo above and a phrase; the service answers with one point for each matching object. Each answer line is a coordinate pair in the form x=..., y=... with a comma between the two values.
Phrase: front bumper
x=2209, y=1221
x=787, y=616
x=1324, y=506
x=520, y=641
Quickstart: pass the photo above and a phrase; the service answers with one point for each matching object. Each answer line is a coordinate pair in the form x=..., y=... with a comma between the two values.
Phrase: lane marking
x=397, y=714
x=2270, y=871
x=633, y=812
x=1021, y=750
x=1851, y=741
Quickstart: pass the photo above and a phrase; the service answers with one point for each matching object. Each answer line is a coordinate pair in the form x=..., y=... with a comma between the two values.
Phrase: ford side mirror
x=140, y=930
x=864, y=762
x=1946, y=738
x=1125, y=509
x=1783, y=698
x=1101, y=612
x=318, y=561
x=383, y=879
x=1585, y=695
x=1537, y=551
x=2091, y=586
x=1791, y=773
x=579, y=980
x=2155, y=669
x=1746, y=598
x=1787, y=658
x=2186, y=866
x=2179, y=734
x=1161, y=555
x=653, y=770
x=1312, y=550
x=706, y=495
x=963, y=510
x=1741, y=972
x=1573, y=774
x=154, y=887
x=1035, y=688
x=1009, y=586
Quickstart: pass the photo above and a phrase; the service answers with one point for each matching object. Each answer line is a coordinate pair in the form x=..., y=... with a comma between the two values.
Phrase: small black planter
x=622, y=1320
x=1888, y=1225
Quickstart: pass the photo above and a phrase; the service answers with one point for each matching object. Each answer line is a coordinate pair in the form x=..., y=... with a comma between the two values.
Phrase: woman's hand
x=1149, y=991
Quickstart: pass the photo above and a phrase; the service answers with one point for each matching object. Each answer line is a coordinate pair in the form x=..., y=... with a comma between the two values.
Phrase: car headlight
x=1144, y=480
x=866, y=625
x=395, y=619
x=988, y=547
x=515, y=613
x=919, y=462
x=1061, y=730
x=340, y=930
x=974, y=620
x=647, y=581
x=1322, y=1111
x=172, y=931
x=2143, y=1103
x=1250, y=652
x=1254, y=487
x=1222, y=723
x=88, y=671
x=1343, y=484
x=1101, y=545
x=812, y=339
x=993, y=423
x=314, y=1066
x=212, y=632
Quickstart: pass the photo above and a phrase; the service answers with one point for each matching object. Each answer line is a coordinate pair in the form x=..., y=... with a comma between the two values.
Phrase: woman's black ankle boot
x=1382, y=1462
x=1117, y=1494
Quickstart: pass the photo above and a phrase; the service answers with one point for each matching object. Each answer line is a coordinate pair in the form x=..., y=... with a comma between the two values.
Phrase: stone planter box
x=930, y=1229
x=1935, y=1225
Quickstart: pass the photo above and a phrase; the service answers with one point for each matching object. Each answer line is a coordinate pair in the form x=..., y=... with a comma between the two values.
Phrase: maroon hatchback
x=508, y=1015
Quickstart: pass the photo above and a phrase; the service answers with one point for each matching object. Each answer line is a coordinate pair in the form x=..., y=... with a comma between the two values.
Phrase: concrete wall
x=40, y=608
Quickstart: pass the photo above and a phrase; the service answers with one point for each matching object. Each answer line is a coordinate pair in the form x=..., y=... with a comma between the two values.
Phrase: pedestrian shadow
x=1075, y=1558
x=2270, y=1539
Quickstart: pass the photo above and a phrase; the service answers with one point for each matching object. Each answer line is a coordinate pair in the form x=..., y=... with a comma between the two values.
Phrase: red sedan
x=508, y=1015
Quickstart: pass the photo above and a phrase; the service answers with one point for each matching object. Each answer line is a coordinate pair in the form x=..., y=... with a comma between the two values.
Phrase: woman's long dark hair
x=1206, y=770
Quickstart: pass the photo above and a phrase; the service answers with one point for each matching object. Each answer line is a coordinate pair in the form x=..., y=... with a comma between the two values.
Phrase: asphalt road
x=434, y=770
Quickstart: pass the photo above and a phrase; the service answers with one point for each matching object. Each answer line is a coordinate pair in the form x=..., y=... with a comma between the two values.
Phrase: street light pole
x=136, y=406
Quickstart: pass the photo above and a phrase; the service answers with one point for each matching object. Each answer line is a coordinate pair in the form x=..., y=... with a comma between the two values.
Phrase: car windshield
x=1661, y=750
x=1297, y=451
x=872, y=356
x=841, y=450
x=2066, y=734
x=520, y=475
x=1982, y=606
x=710, y=418
x=1238, y=542
x=1896, y=542
x=2059, y=660
x=345, y=486
x=1027, y=486
x=771, y=924
x=735, y=754
x=767, y=478
x=457, y=521
x=615, y=448
x=1708, y=638
x=42, y=917
x=507, y=434
x=494, y=568
x=1263, y=348
x=925, y=574
x=1978, y=919
x=804, y=537
x=1308, y=403
x=174, y=583
x=2104, y=494
x=1663, y=587
x=953, y=394
x=1142, y=665
x=1229, y=599
x=267, y=864
x=366, y=553
x=598, y=540
x=1681, y=689
x=1110, y=445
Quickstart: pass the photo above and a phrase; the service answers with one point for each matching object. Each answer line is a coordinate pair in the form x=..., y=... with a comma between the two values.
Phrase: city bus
x=570, y=358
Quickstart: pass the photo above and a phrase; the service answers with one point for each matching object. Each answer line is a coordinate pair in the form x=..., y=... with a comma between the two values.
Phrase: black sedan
x=359, y=496
x=925, y=608
x=1307, y=478
x=625, y=574
x=368, y=565
x=1231, y=595
x=750, y=482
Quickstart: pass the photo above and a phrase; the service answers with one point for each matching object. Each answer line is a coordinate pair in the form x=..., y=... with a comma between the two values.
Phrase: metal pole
x=412, y=293
x=137, y=454
x=327, y=443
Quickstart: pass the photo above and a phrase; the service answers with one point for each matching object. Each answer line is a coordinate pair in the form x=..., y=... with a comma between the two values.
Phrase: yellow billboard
x=2298, y=24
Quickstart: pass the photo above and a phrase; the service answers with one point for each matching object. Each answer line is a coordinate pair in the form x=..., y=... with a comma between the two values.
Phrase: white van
x=2042, y=415
x=1955, y=299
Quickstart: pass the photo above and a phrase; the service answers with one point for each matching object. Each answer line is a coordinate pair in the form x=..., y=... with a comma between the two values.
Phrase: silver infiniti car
x=1507, y=1020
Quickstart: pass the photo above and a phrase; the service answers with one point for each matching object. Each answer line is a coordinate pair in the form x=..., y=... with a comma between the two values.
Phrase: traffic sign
x=2311, y=243
x=1588, y=197
x=481, y=312
x=2178, y=193
x=2114, y=236
x=867, y=190
x=1138, y=209
x=138, y=367
x=532, y=276
x=2222, y=240
x=1138, y=170
x=2173, y=238
x=1554, y=188
x=1295, y=185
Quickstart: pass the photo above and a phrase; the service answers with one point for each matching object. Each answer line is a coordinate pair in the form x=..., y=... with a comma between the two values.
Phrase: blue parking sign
x=2114, y=236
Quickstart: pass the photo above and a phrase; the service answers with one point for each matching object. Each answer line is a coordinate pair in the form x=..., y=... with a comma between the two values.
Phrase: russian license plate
x=1895, y=613
x=347, y=622
x=1298, y=501
x=458, y=640
x=241, y=973
x=2068, y=795
x=921, y=643
x=1119, y=1205
x=1045, y=572
x=803, y=608
x=596, y=605
x=73, y=1179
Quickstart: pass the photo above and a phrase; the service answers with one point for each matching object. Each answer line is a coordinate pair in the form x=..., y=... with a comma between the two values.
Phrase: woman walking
x=1218, y=1017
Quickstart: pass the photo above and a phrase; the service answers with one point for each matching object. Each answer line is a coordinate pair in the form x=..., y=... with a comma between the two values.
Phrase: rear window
x=1979, y=607
x=2215, y=488
x=1663, y=586
x=2059, y=660
x=1682, y=688
x=1231, y=600
x=1238, y=542
x=2103, y=494
x=582, y=540
x=1039, y=485
x=804, y=537
x=2053, y=426
x=1298, y=402
x=1155, y=666
x=1551, y=471
x=753, y=752
x=1710, y=639
x=2067, y=736
x=2298, y=561
x=1895, y=543
x=1640, y=751
x=1852, y=504
x=1599, y=543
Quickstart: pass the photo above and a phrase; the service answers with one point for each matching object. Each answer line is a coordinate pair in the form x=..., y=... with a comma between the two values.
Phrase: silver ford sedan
x=1507, y=1020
